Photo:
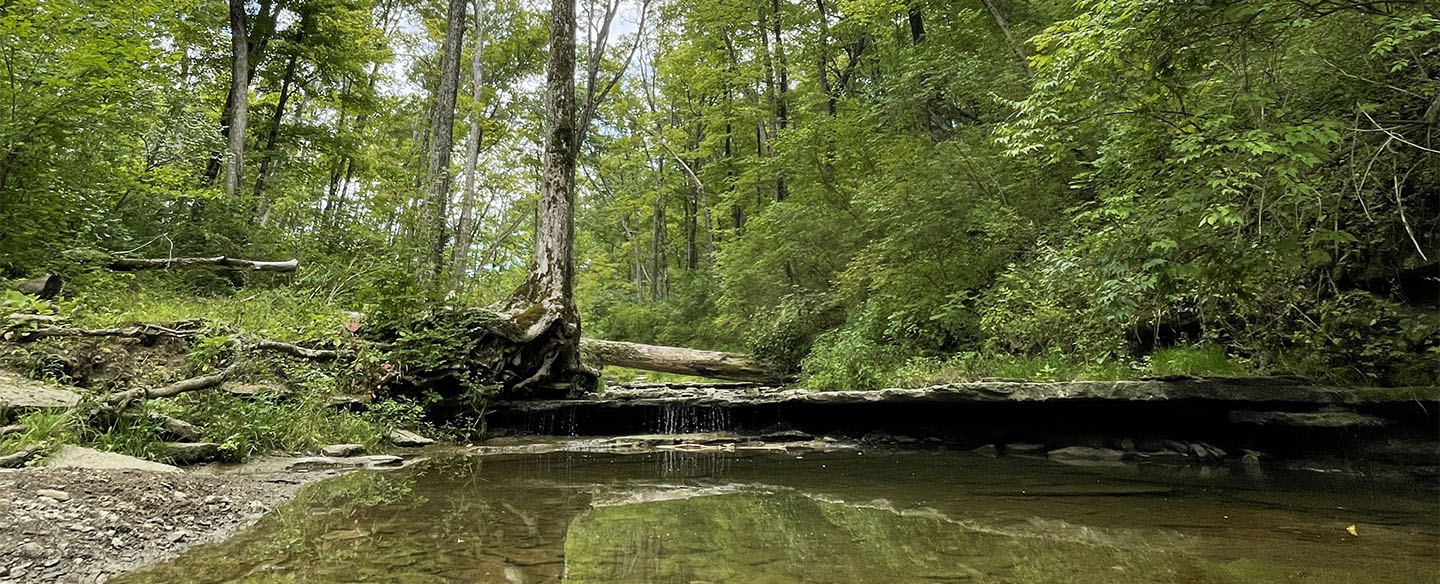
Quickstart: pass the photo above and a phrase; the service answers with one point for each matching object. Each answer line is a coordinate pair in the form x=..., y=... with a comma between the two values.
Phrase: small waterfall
x=683, y=419
x=552, y=422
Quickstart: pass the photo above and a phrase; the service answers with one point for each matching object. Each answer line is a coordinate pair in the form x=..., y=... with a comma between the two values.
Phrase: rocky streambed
x=1184, y=420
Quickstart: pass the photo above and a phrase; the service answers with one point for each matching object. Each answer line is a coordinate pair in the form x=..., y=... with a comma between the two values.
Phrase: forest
x=867, y=193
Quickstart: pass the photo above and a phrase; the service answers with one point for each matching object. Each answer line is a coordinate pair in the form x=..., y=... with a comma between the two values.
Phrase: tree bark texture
x=442, y=128
x=239, y=96
x=464, y=230
x=530, y=348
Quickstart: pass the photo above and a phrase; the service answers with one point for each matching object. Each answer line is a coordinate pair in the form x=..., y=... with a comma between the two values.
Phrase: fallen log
x=683, y=361
x=44, y=287
x=124, y=264
x=678, y=360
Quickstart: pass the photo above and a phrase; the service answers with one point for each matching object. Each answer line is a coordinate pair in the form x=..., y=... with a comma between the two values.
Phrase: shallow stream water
x=848, y=516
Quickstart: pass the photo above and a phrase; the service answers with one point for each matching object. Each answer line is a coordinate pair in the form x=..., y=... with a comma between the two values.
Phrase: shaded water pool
x=827, y=517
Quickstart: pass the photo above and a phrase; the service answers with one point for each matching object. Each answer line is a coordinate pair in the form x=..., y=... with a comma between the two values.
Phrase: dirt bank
x=87, y=525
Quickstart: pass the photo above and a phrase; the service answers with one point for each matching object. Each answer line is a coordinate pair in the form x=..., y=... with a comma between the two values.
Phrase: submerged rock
x=331, y=463
x=342, y=450
x=1024, y=449
x=785, y=436
x=1086, y=453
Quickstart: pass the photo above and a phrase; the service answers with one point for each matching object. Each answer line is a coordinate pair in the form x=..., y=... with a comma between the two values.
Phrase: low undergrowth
x=289, y=405
x=826, y=370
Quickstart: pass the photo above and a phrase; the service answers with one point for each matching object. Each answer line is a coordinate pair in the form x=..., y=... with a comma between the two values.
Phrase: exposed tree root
x=519, y=353
x=119, y=400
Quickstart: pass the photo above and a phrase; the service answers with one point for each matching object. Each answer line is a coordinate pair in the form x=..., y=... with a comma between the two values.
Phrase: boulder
x=406, y=438
x=342, y=450
x=191, y=452
x=79, y=457
x=46, y=286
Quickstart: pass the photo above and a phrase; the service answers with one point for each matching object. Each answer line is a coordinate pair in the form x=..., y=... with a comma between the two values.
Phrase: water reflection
x=836, y=517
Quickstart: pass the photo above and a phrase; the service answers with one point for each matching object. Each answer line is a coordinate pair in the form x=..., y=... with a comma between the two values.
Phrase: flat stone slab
x=1239, y=389
x=19, y=392
x=1320, y=419
x=342, y=450
x=80, y=457
x=332, y=463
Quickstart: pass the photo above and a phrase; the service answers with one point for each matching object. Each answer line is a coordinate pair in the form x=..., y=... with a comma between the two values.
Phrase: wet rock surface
x=407, y=439
x=87, y=525
x=1254, y=390
x=342, y=450
x=89, y=458
x=311, y=463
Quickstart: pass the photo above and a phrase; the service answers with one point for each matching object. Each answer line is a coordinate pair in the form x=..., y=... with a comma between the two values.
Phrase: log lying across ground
x=124, y=264
x=679, y=360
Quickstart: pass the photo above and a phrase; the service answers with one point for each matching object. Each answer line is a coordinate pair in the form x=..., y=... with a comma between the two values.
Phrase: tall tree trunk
x=822, y=58
x=255, y=44
x=268, y=153
x=549, y=289
x=442, y=140
x=239, y=96
x=659, y=242
x=464, y=230
x=782, y=108
x=692, y=248
x=917, y=25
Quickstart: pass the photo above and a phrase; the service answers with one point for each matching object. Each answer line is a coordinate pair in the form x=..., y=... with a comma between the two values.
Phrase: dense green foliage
x=874, y=191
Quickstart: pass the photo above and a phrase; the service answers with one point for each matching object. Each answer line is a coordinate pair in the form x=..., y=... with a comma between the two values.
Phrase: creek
x=846, y=514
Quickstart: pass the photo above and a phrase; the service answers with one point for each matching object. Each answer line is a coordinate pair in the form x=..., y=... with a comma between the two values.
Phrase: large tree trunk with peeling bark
x=545, y=303
x=682, y=361
x=529, y=347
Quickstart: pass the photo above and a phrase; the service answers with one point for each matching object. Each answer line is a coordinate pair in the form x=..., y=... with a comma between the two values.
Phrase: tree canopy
x=871, y=191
